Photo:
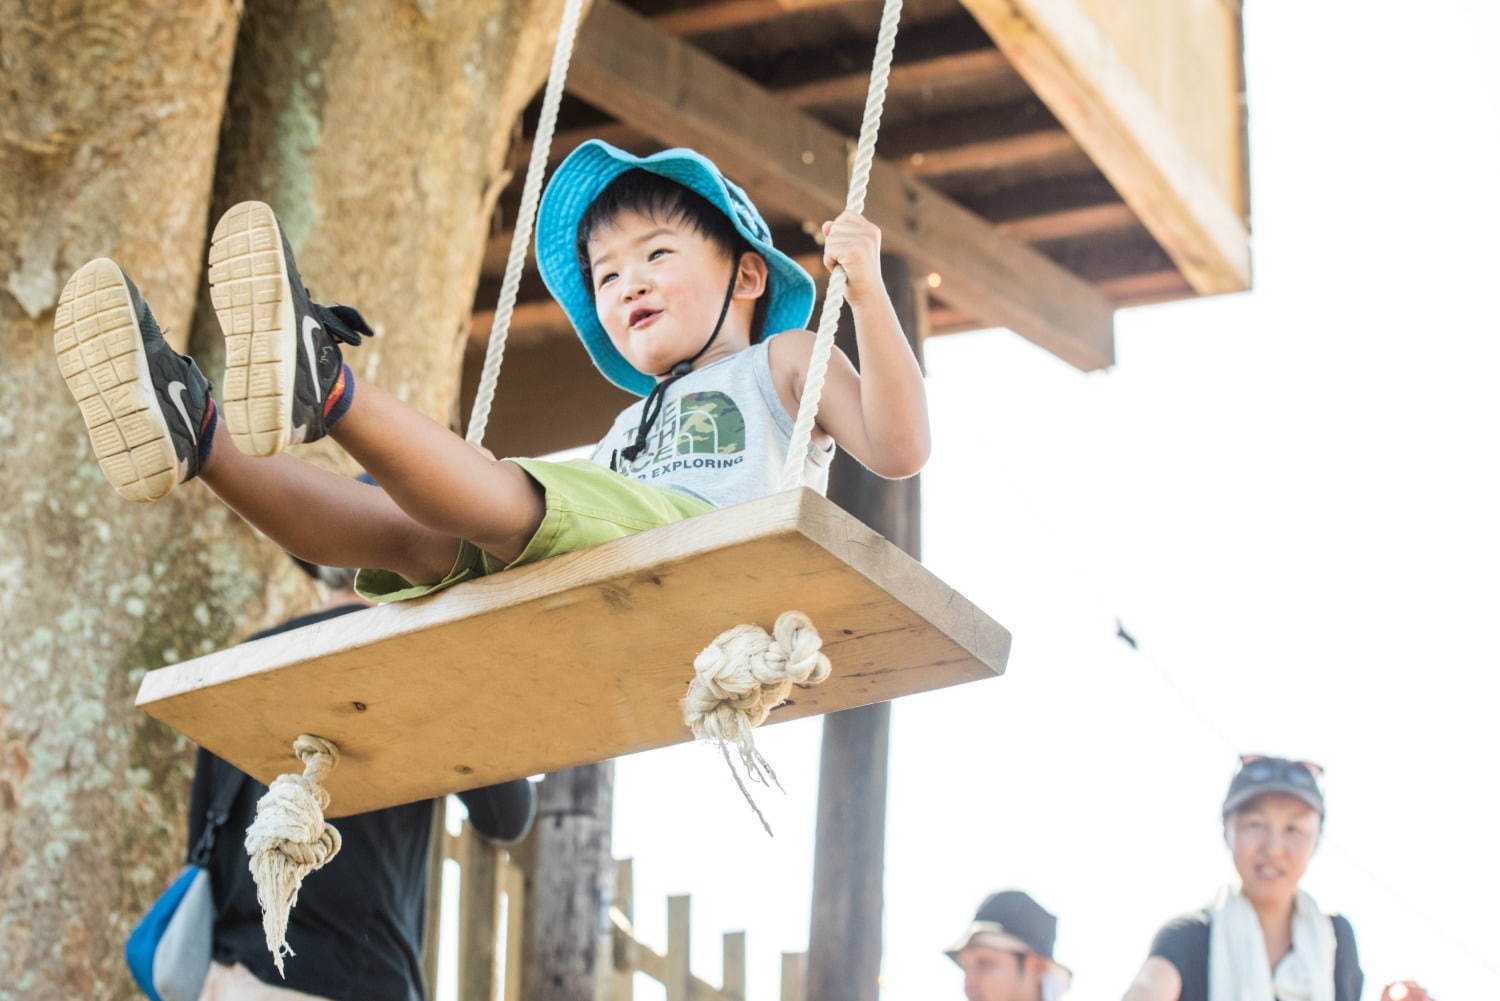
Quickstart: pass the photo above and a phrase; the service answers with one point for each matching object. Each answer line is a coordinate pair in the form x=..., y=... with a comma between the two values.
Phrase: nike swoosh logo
x=308, y=326
x=175, y=391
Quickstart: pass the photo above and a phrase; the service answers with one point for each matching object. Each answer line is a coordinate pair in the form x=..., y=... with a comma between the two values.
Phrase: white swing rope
x=289, y=837
x=520, y=241
x=745, y=672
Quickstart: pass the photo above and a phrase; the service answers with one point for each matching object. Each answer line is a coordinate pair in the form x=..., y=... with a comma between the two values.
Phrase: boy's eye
x=657, y=253
x=606, y=279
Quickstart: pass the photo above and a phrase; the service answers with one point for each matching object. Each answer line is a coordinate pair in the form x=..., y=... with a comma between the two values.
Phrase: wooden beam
x=1148, y=288
x=721, y=15
x=1079, y=72
x=910, y=74
x=1015, y=135
x=950, y=68
x=630, y=69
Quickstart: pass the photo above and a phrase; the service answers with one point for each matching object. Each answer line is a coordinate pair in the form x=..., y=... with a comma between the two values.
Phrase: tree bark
x=377, y=130
x=844, y=943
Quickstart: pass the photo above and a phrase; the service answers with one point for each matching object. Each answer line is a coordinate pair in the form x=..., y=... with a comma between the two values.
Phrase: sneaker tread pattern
x=249, y=291
x=101, y=358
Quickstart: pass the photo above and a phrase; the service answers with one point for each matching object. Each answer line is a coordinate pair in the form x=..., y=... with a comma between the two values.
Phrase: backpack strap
x=218, y=816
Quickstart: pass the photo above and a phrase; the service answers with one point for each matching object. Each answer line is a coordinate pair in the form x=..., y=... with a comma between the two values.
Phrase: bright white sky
x=1288, y=496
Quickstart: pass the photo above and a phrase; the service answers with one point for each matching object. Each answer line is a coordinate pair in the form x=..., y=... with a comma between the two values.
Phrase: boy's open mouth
x=642, y=316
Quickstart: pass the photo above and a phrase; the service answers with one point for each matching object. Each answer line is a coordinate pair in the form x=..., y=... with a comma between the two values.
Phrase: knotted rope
x=740, y=677
x=290, y=839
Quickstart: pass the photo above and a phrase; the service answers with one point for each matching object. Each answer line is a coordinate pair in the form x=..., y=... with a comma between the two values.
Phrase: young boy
x=668, y=274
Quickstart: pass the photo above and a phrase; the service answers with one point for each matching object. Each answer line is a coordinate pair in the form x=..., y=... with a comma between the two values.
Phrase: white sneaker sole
x=100, y=355
x=248, y=285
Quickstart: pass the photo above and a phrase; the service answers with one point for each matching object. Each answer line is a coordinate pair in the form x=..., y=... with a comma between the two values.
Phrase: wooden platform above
x=576, y=659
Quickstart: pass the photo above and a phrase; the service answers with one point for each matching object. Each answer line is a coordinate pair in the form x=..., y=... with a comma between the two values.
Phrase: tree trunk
x=377, y=130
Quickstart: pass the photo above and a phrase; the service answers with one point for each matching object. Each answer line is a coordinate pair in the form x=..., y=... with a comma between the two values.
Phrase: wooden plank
x=793, y=976
x=734, y=966
x=565, y=661
x=513, y=881
x=1081, y=74
x=622, y=982
x=478, y=915
x=432, y=918
x=1144, y=289
x=678, y=973
x=654, y=82
x=721, y=15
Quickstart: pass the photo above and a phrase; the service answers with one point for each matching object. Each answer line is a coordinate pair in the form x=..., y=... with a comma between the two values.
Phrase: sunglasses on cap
x=1259, y=768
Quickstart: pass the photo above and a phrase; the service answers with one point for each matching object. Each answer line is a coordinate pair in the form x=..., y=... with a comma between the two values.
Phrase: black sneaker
x=285, y=380
x=148, y=409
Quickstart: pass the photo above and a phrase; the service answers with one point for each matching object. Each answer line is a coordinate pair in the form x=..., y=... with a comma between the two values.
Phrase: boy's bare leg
x=439, y=479
x=325, y=518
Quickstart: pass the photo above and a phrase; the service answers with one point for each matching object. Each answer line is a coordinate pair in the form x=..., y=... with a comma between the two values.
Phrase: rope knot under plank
x=744, y=674
x=289, y=838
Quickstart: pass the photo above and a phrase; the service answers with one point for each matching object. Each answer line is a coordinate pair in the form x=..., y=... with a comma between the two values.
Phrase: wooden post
x=432, y=920
x=679, y=972
x=622, y=979
x=514, y=881
x=478, y=915
x=734, y=966
x=569, y=886
x=843, y=961
x=793, y=976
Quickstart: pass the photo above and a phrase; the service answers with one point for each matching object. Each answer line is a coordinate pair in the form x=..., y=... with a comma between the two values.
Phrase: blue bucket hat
x=582, y=177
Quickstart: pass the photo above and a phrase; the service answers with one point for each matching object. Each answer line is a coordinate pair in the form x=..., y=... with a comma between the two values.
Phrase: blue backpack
x=169, y=951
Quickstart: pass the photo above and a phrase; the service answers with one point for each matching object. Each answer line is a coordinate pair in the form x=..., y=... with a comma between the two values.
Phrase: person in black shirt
x=1265, y=939
x=357, y=926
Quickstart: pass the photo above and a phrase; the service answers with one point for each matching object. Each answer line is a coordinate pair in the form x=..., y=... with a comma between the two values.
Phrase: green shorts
x=586, y=505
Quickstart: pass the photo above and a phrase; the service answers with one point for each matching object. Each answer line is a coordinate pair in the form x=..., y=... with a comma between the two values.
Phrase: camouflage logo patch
x=709, y=423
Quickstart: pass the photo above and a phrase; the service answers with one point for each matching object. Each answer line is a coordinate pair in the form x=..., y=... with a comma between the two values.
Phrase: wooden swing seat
x=577, y=659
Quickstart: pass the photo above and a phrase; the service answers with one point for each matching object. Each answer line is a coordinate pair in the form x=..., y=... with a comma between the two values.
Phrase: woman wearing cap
x=1264, y=939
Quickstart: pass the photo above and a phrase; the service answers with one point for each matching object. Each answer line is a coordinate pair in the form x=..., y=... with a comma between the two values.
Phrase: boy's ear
x=750, y=282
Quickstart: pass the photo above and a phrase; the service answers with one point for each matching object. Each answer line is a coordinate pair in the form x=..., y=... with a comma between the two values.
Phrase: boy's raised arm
x=878, y=414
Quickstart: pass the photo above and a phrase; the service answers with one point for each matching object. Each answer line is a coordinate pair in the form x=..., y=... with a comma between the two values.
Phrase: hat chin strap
x=658, y=395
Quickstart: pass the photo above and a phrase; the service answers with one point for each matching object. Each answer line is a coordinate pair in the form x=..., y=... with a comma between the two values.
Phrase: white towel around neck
x=1238, y=967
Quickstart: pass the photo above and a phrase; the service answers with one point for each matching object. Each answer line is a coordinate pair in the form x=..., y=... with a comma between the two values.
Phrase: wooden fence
x=492, y=885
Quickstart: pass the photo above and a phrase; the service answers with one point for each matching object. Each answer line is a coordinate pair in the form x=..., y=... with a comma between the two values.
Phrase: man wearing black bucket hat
x=1006, y=951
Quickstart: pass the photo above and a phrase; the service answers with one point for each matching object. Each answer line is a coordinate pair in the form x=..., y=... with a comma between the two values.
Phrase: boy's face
x=658, y=287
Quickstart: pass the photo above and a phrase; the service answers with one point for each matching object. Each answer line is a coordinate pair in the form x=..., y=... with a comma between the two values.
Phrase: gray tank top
x=721, y=436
